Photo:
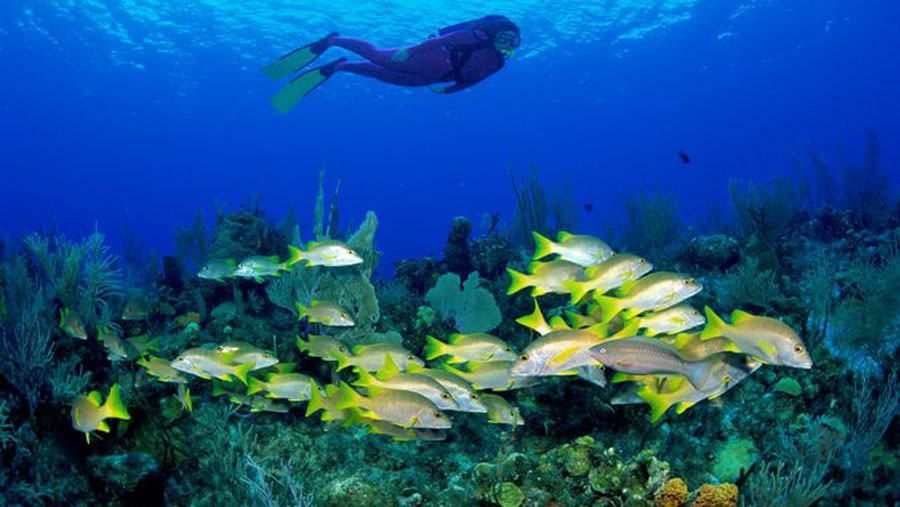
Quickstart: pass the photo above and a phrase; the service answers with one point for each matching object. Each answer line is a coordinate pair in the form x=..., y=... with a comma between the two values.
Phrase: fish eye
x=523, y=357
x=342, y=349
x=473, y=396
x=603, y=350
x=411, y=357
x=798, y=348
x=509, y=349
x=445, y=396
x=438, y=415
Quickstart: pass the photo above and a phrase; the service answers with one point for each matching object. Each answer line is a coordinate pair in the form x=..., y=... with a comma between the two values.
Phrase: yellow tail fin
x=535, y=320
x=542, y=246
x=114, y=407
x=254, y=386
x=519, y=281
x=241, y=371
x=296, y=255
x=434, y=348
x=659, y=404
x=577, y=290
x=607, y=307
x=714, y=325
x=347, y=397
x=315, y=402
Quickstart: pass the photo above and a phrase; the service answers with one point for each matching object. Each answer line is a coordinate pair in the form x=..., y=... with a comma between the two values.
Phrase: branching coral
x=748, y=284
x=652, y=221
x=473, y=308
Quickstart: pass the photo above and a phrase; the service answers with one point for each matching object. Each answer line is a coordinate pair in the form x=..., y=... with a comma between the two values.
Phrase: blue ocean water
x=136, y=114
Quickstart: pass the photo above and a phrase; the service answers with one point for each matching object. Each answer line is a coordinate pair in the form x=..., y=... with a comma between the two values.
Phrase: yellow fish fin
x=389, y=369
x=682, y=339
x=567, y=373
x=457, y=360
x=254, y=386
x=715, y=326
x=576, y=289
x=415, y=368
x=630, y=328
x=102, y=426
x=434, y=348
x=731, y=347
x=607, y=307
x=538, y=291
x=187, y=399
x=347, y=397
x=578, y=320
x=284, y=367
x=659, y=403
x=365, y=379
x=519, y=281
x=241, y=371
x=542, y=246
x=315, y=403
x=626, y=287
x=535, y=320
x=619, y=377
x=631, y=313
x=455, y=338
x=563, y=236
x=558, y=323
x=560, y=359
x=684, y=405
x=114, y=407
x=739, y=316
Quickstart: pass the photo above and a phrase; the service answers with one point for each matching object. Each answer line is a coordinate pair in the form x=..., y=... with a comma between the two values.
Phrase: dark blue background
x=83, y=142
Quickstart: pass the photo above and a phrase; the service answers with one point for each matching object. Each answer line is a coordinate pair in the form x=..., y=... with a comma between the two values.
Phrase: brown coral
x=721, y=495
x=673, y=493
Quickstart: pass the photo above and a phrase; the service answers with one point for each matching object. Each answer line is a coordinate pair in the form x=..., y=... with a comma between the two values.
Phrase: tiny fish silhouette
x=685, y=158
x=589, y=207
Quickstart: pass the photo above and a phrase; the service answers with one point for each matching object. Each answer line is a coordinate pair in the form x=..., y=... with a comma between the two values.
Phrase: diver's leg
x=364, y=49
x=385, y=75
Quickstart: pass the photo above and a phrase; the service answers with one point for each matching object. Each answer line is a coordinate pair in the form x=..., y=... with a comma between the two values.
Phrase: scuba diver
x=464, y=54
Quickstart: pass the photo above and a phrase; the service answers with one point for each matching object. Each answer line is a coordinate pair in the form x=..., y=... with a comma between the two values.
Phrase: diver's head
x=504, y=33
x=506, y=42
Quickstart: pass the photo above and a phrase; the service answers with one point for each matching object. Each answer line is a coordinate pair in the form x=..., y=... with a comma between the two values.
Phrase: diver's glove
x=401, y=55
x=438, y=89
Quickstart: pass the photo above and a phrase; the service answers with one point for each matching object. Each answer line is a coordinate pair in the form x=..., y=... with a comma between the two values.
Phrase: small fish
x=481, y=347
x=589, y=207
x=184, y=396
x=322, y=346
x=258, y=267
x=767, y=339
x=71, y=323
x=403, y=408
x=580, y=249
x=684, y=157
x=326, y=400
x=639, y=355
x=493, y=375
x=656, y=291
x=726, y=371
x=467, y=398
x=398, y=433
x=672, y=320
x=137, y=306
x=89, y=413
x=545, y=277
x=608, y=275
x=241, y=352
x=208, y=364
x=372, y=357
x=286, y=386
x=501, y=411
x=117, y=349
x=218, y=270
x=328, y=253
x=390, y=377
x=562, y=352
x=263, y=404
x=326, y=313
x=162, y=370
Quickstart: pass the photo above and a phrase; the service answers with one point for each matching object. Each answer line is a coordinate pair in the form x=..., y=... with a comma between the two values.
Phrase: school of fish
x=629, y=320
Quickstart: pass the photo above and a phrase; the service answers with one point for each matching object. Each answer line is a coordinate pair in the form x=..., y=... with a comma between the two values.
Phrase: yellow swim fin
x=297, y=59
x=301, y=86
